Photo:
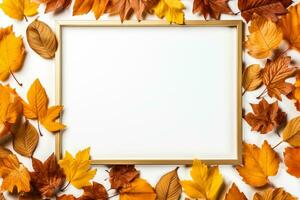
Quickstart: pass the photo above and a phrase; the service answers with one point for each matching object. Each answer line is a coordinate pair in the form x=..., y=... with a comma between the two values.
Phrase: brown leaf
x=84, y=6
x=66, y=197
x=1, y=196
x=212, y=8
x=56, y=6
x=47, y=177
x=292, y=161
x=266, y=117
x=41, y=39
x=235, y=194
x=274, y=194
x=32, y=195
x=26, y=139
x=252, y=77
x=95, y=191
x=291, y=132
x=168, y=187
x=274, y=75
x=267, y=8
x=121, y=175
x=4, y=152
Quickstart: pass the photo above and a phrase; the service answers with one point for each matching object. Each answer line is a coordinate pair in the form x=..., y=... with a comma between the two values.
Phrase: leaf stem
x=114, y=195
x=262, y=94
x=284, y=52
x=244, y=92
x=278, y=144
x=65, y=187
x=20, y=84
x=39, y=127
x=26, y=18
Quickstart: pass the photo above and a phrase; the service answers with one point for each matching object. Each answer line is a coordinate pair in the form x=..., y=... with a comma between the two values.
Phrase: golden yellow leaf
x=4, y=152
x=252, y=77
x=18, y=9
x=206, y=183
x=274, y=194
x=258, y=164
x=137, y=190
x=12, y=53
x=14, y=174
x=77, y=170
x=172, y=10
x=235, y=194
x=291, y=132
x=84, y=6
x=265, y=36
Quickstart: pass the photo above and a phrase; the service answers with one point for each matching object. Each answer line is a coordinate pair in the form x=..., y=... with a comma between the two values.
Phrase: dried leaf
x=41, y=39
x=4, y=152
x=122, y=175
x=274, y=75
x=14, y=174
x=172, y=10
x=95, y=191
x=48, y=177
x=137, y=190
x=292, y=161
x=168, y=187
x=267, y=8
x=266, y=117
x=19, y=9
x=66, y=197
x=274, y=194
x=77, y=170
x=291, y=132
x=56, y=6
x=258, y=164
x=206, y=183
x=295, y=94
x=252, y=77
x=84, y=6
x=212, y=8
x=31, y=195
x=265, y=36
x=235, y=194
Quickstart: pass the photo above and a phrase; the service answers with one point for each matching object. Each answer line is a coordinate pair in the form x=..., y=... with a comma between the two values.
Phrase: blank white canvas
x=150, y=92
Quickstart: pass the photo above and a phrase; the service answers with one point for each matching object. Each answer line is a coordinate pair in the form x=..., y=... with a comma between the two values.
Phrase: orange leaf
x=274, y=194
x=121, y=175
x=235, y=194
x=292, y=161
x=137, y=190
x=95, y=191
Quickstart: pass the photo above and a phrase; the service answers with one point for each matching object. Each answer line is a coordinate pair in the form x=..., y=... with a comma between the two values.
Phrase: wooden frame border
x=238, y=24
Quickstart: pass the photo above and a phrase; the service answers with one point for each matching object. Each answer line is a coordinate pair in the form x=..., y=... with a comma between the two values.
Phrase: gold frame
x=238, y=24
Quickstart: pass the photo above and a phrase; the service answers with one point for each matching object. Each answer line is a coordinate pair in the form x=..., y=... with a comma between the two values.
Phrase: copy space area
x=165, y=93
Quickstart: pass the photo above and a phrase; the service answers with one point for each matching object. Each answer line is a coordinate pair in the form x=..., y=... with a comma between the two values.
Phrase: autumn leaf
x=19, y=9
x=212, y=8
x=47, y=177
x=206, y=183
x=168, y=187
x=84, y=6
x=291, y=132
x=274, y=194
x=77, y=170
x=137, y=190
x=258, y=164
x=1, y=196
x=55, y=6
x=274, y=75
x=121, y=175
x=66, y=197
x=295, y=94
x=172, y=10
x=4, y=152
x=25, y=139
x=252, y=77
x=12, y=53
x=38, y=108
x=292, y=161
x=265, y=36
x=290, y=24
x=265, y=117
x=95, y=191
x=14, y=174
x=267, y=8
x=31, y=195
x=235, y=194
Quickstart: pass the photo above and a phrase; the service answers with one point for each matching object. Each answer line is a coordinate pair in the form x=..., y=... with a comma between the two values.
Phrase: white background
x=36, y=67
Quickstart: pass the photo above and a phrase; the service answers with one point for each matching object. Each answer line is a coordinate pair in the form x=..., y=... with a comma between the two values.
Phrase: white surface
x=140, y=92
x=36, y=66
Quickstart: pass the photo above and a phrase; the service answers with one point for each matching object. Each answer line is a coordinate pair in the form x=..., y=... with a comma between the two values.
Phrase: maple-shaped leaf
x=290, y=24
x=265, y=117
x=235, y=194
x=12, y=53
x=84, y=6
x=55, y=6
x=66, y=197
x=136, y=190
x=38, y=108
x=77, y=170
x=172, y=10
x=274, y=194
x=274, y=75
x=19, y=9
x=267, y=8
x=212, y=8
x=291, y=132
x=14, y=174
x=47, y=177
x=95, y=191
x=292, y=161
x=121, y=175
x=206, y=183
x=258, y=164
x=265, y=36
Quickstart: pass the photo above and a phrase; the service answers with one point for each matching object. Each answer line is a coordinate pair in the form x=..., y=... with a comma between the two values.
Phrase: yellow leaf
x=291, y=132
x=14, y=174
x=77, y=170
x=206, y=183
x=235, y=194
x=265, y=36
x=12, y=53
x=274, y=194
x=18, y=9
x=252, y=77
x=171, y=9
x=49, y=120
x=258, y=164
x=139, y=189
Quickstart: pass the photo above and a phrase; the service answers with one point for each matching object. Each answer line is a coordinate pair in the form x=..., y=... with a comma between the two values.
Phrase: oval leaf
x=291, y=133
x=168, y=187
x=41, y=39
x=26, y=139
x=252, y=77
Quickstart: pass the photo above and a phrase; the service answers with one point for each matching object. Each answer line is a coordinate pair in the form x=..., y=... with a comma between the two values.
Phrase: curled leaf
x=252, y=77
